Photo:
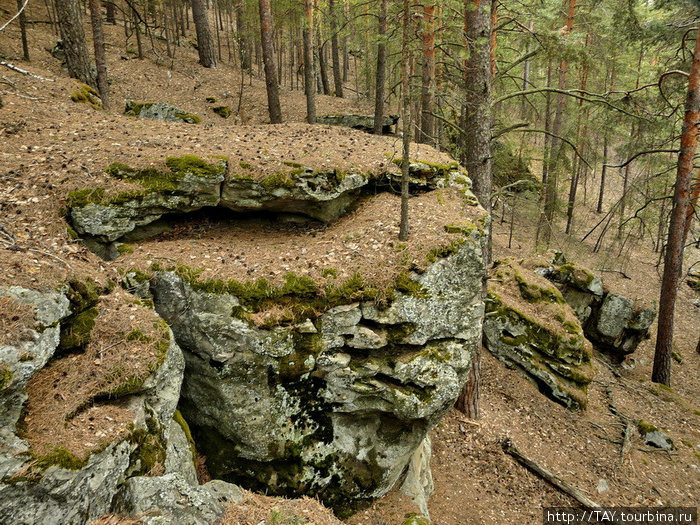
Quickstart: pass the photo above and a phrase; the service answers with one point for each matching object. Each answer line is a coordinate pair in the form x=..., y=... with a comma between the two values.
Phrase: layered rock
x=61, y=488
x=334, y=405
x=530, y=328
x=190, y=184
x=613, y=322
x=102, y=219
x=361, y=122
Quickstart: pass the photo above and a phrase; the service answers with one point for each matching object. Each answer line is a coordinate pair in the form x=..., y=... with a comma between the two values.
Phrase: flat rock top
x=365, y=241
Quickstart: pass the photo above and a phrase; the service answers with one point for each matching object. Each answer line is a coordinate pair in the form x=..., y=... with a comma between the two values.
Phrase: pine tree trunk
x=273, y=98
x=673, y=262
x=99, y=45
x=205, y=44
x=381, y=70
x=242, y=38
x=112, y=12
x=477, y=139
x=428, y=87
x=322, y=63
x=73, y=36
x=405, y=118
x=555, y=152
x=23, y=30
x=477, y=146
x=309, y=62
x=335, y=51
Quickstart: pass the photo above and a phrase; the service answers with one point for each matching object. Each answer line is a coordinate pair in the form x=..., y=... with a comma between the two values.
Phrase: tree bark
x=99, y=45
x=673, y=262
x=477, y=147
x=205, y=44
x=23, y=30
x=428, y=86
x=550, y=203
x=73, y=36
x=405, y=118
x=242, y=38
x=273, y=98
x=322, y=63
x=335, y=51
x=477, y=135
x=381, y=70
x=309, y=62
x=112, y=12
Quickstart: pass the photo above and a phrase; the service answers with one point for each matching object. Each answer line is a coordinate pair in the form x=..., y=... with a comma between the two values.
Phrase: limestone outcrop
x=160, y=111
x=530, y=328
x=336, y=405
x=613, y=322
x=103, y=218
x=49, y=483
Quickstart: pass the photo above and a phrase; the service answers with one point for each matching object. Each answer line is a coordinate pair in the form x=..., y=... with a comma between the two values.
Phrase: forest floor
x=50, y=145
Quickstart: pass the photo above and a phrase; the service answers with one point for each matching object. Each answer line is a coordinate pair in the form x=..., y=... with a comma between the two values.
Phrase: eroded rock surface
x=613, y=322
x=62, y=489
x=159, y=111
x=335, y=406
x=530, y=328
x=103, y=219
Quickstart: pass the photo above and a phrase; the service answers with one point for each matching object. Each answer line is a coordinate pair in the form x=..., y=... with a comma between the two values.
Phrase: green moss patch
x=298, y=297
x=222, y=111
x=87, y=95
x=5, y=377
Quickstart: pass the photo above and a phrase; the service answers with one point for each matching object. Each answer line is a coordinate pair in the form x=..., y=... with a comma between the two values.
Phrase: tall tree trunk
x=242, y=38
x=23, y=30
x=112, y=12
x=99, y=45
x=555, y=152
x=309, y=62
x=205, y=44
x=73, y=36
x=273, y=98
x=322, y=63
x=692, y=206
x=428, y=87
x=381, y=70
x=573, y=187
x=405, y=118
x=477, y=136
x=335, y=51
x=477, y=144
x=673, y=262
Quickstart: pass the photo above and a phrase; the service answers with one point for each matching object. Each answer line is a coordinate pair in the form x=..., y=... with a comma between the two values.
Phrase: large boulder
x=530, y=328
x=189, y=184
x=334, y=406
x=102, y=219
x=613, y=322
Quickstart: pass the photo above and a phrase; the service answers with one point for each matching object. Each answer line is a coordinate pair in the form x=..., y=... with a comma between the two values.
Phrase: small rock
x=602, y=486
x=658, y=439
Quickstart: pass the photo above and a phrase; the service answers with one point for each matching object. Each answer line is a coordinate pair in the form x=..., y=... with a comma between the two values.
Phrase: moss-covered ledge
x=530, y=328
x=189, y=183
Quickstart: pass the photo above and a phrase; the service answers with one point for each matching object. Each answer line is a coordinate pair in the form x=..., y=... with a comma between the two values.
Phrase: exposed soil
x=50, y=145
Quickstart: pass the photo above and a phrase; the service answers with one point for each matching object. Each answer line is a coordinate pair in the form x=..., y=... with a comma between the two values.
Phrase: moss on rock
x=222, y=111
x=87, y=95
